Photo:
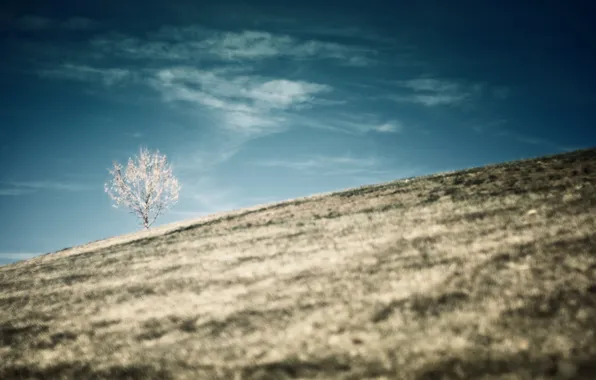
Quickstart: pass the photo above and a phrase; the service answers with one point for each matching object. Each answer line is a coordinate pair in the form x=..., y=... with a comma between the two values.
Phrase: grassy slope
x=488, y=273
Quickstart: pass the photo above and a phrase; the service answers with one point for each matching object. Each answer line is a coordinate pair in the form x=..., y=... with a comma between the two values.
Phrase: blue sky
x=273, y=100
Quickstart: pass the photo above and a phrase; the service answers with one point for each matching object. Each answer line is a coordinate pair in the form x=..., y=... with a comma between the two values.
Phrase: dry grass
x=488, y=273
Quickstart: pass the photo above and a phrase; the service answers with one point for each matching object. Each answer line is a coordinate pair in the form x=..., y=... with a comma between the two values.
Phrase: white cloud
x=244, y=103
x=283, y=93
x=347, y=55
x=298, y=26
x=389, y=127
x=228, y=92
x=348, y=122
x=362, y=122
x=191, y=43
x=429, y=84
x=434, y=92
x=319, y=162
x=250, y=122
x=439, y=99
x=298, y=165
x=120, y=45
x=249, y=45
x=237, y=99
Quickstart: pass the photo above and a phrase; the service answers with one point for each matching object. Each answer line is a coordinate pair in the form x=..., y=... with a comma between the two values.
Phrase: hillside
x=487, y=273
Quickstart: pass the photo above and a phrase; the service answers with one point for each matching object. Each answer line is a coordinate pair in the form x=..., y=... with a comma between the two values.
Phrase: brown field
x=488, y=273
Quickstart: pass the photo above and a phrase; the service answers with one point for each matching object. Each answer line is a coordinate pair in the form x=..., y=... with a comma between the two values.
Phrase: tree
x=147, y=186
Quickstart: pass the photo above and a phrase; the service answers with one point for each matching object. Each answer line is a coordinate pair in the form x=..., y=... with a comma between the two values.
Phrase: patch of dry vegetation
x=488, y=273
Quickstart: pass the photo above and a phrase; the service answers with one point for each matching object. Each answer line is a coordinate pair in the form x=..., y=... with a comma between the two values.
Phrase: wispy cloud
x=194, y=42
x=261, y=45
x=15, y=191
x=107, y=76
x=435, y=92
x=497, y=128
x=341, y=31
x=283, y=93
x=201, y=157
x=491, y=125
x=220, y=89
x=237, y=100
x=27, y=187
x=389, y=127
x=205, y=196
x=212, y=199
x=320, y=162
x=355, y=170
x=247, y=103
x=523, y=138
x=298, y=26
x=356, y=123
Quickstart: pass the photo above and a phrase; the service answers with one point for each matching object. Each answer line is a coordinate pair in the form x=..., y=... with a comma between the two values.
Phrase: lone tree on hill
x=147, y=187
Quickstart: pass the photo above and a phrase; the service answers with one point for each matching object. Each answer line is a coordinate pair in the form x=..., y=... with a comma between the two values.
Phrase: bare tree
x=147, y=186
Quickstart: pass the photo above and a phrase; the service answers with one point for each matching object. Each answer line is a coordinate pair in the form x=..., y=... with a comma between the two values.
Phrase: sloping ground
x=488, y=273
